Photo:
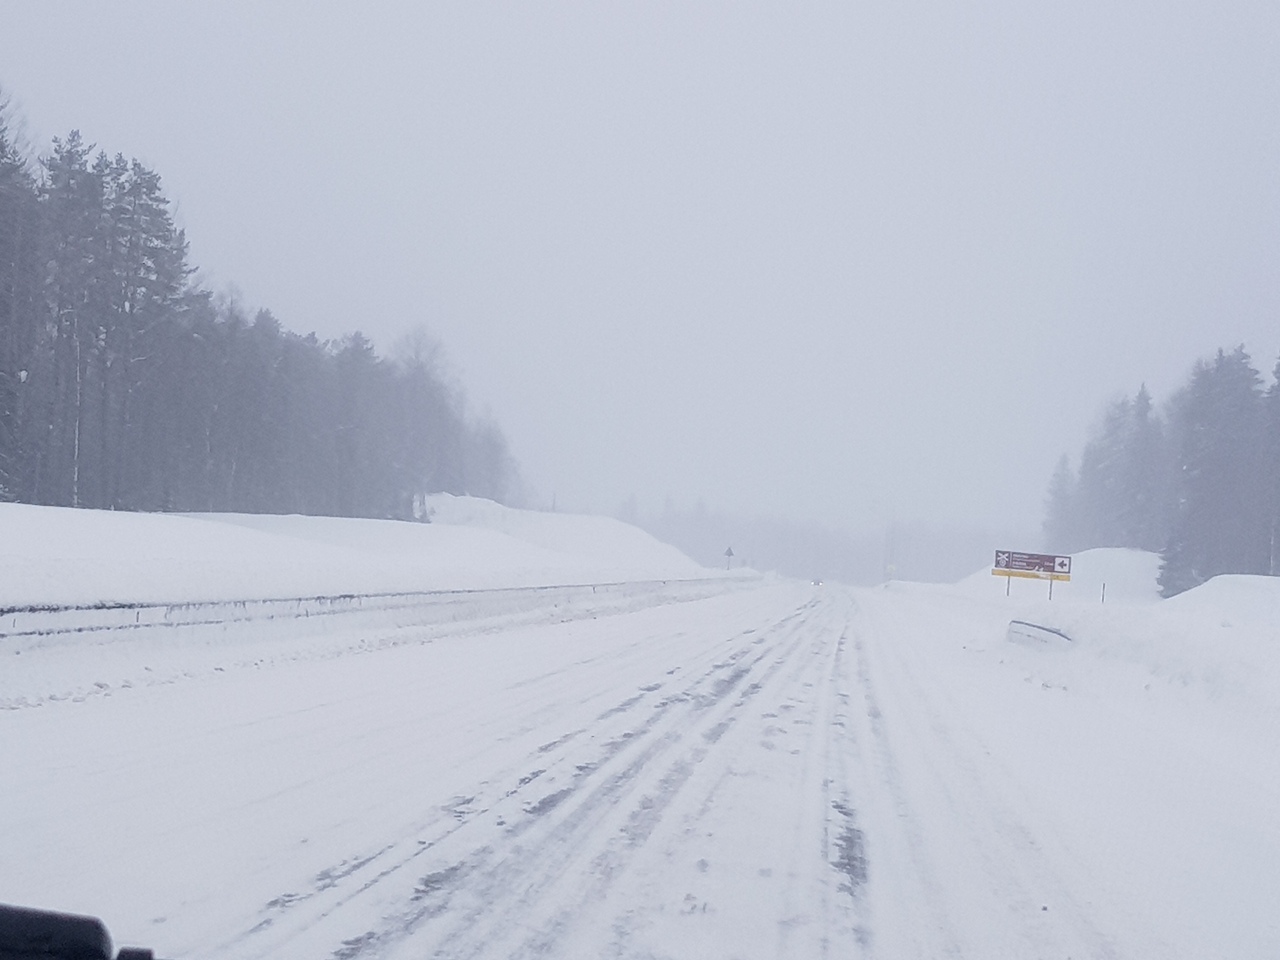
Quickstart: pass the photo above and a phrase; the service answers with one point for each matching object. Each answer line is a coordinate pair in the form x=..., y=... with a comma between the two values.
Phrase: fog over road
x=774, y=770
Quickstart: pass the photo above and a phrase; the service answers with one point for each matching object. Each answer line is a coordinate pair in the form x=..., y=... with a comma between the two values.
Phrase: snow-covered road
x=776, y=771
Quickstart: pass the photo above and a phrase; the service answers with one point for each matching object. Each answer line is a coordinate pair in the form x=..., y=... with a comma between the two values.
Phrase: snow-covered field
x=506, y=734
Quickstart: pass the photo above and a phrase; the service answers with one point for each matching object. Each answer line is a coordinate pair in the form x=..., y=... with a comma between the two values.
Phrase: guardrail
x=49, y=621
x=1023, y=631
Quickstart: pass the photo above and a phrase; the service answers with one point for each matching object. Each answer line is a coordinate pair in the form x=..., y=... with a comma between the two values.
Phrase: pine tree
x=1060, y=524
x=71, y=196
x=1145, y=507
x=433, y=420
x=1219, y=524
x=21, y=278
x=147, y=278
x=1100, y=486
x=1271, y=471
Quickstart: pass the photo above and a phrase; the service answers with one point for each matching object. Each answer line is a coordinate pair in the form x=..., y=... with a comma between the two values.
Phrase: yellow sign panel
x=1031, y=574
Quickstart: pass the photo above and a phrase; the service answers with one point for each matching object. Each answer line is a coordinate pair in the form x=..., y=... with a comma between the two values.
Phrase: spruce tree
x=148, y=277
x=1219, y=522
x=1100, y=486
x=71, y=196
x=1145, y=508
x=1271, y=471
x=21, y=281
x=1061, y=533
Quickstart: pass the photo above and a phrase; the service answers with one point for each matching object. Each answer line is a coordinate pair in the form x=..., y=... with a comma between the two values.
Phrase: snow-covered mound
x=53, y=555
x=1218, y=643
x=603, y=539
x=1234, y=599
x=1129, y=575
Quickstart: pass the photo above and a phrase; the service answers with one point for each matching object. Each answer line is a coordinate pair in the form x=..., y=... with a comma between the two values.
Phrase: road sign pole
x=1050, y=586
x=1007, y=582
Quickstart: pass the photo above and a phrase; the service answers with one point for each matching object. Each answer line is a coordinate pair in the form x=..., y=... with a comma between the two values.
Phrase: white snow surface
x=52, y=555
x=658, y=761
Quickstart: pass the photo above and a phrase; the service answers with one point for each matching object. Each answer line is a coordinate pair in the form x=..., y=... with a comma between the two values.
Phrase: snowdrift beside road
x=1149, y=737
x=1217, y=645
x=60, y=556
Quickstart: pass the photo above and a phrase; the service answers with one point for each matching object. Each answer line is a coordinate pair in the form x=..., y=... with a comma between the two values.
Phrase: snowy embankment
x=56, y=556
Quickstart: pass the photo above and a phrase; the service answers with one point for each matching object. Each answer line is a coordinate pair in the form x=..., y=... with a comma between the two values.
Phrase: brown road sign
x=1041, y=566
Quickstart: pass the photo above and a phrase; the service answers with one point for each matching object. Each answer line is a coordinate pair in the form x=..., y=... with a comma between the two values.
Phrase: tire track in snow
x=845, y=838
x=787, y=879
x=813, y=908
x=633, y=801
x=627, y=739
x=949, y=809
x=901, y=840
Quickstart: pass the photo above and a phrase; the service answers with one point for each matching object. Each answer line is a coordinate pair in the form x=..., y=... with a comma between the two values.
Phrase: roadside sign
x=1033, y=566
x=1036, y=566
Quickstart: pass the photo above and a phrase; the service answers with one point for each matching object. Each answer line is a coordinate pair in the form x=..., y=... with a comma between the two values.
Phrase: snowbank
x=1213, y=650
x=54, y=555
x=1148, y=738
x=1237, y=598
x=602, y=539
x=1215, y=647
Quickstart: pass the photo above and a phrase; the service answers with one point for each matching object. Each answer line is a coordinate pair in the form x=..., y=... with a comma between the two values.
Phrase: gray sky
x=850, y=262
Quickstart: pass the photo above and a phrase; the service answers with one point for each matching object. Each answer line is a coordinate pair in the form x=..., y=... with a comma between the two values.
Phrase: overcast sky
x=852, y=262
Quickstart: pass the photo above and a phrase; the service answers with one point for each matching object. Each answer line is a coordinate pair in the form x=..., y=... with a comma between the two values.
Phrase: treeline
x=124, y=385
x=1198, y=483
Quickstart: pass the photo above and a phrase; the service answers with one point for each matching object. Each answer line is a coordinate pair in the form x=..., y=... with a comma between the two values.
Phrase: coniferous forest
x=125, y=385
x=1198, y=483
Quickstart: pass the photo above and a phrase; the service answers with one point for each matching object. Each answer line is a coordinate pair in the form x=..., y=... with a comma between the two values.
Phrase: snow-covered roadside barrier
x=43, y=624
x=59, y=653
x=93, y=601
x=1020, y=631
